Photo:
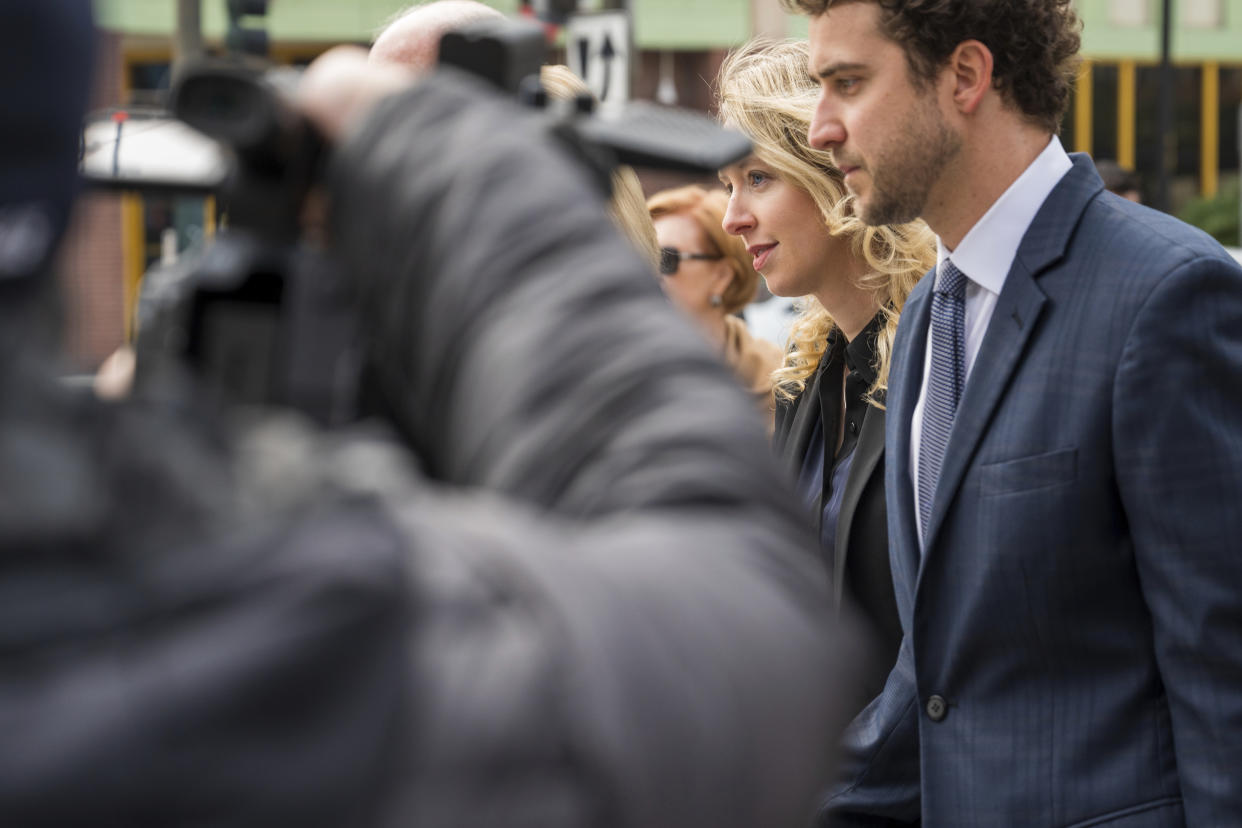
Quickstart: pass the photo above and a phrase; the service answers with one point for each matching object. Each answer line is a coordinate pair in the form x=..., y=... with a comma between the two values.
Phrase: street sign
x=598, y=48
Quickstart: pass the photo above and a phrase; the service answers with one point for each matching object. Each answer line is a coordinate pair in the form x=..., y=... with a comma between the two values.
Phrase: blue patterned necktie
x=944, y=382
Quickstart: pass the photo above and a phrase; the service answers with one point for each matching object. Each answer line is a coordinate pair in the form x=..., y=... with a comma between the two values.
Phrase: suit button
x=937, y=708
x=853, y=427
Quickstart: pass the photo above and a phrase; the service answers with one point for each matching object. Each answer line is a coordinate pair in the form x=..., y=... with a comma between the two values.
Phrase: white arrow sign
x=599, y=51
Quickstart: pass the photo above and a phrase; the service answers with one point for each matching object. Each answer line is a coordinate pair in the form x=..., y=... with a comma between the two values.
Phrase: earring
x=716, y=301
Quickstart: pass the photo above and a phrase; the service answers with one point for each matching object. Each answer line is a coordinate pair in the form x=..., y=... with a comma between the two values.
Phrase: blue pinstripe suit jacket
x=1079, y=605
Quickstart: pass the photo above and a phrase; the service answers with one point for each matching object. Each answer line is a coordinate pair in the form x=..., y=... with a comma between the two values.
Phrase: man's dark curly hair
x=1034, y=44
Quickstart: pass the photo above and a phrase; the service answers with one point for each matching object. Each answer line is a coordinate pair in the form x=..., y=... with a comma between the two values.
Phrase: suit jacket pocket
x=1039, y=471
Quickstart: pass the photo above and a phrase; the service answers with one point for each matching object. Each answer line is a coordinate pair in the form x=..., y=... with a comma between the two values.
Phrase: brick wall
x=91, y=262
x=91, y=278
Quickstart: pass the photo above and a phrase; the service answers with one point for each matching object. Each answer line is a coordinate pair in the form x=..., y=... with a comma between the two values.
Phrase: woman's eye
x=754, y=179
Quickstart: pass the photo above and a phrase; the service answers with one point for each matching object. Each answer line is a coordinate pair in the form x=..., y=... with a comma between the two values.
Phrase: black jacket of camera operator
x=579, y=595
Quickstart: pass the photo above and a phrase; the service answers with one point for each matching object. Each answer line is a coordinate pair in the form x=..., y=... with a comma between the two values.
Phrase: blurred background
x=1160, y=94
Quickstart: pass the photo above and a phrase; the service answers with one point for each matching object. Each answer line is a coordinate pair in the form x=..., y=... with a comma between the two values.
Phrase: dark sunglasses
x=671, y=259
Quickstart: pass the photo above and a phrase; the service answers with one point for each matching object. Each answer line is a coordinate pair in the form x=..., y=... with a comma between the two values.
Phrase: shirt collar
x=987, y=251
x=860, y=352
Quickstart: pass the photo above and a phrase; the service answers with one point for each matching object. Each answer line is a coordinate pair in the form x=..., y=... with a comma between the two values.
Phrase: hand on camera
x=339, y=88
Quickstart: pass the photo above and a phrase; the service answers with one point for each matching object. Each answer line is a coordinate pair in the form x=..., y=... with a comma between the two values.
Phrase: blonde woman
x=788, y=204
x=707, y=274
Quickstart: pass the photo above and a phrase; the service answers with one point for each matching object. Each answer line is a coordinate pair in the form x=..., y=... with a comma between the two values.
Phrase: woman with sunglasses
x=789, y=206
x=707, y=274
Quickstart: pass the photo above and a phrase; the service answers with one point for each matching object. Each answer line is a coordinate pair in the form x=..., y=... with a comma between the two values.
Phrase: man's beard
x=903, y=177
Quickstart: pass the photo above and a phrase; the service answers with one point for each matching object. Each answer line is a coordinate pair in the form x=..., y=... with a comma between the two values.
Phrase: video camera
x=261, y=316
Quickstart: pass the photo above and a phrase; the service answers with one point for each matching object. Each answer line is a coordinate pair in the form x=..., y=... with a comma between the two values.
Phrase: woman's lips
x=760, y=252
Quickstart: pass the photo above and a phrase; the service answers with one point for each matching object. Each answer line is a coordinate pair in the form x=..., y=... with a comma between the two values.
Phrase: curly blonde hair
x=707, y=207
x=765, y=90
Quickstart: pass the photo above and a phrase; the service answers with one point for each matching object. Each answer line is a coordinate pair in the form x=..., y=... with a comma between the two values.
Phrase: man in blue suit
x=1065, y=444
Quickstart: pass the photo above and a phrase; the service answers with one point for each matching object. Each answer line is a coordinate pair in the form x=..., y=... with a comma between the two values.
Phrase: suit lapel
x=867, y=454
x=905, y=380
x=1014, y=319
x=805, y=417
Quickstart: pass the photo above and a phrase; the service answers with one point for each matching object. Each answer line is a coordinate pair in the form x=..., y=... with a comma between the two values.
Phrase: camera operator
x=581, y=599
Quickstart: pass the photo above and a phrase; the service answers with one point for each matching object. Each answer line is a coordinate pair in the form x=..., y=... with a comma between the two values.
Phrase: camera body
x=260, y=317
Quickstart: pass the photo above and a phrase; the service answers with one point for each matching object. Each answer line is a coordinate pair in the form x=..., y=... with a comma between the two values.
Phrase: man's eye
x=847, y=84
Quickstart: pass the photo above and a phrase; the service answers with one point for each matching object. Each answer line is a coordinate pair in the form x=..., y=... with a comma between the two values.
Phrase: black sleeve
x=622, y=622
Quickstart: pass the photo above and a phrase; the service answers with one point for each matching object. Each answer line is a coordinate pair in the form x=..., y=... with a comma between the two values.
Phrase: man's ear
x=971, y=67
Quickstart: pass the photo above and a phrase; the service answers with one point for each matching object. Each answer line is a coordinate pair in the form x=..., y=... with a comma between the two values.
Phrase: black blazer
x=859, y=565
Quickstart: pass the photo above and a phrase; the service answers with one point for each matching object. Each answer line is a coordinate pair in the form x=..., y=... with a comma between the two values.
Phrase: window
x=1149, y=147
x=1104, y=111
x=1129, y=13
x=1230, y=103
x=1201, y=14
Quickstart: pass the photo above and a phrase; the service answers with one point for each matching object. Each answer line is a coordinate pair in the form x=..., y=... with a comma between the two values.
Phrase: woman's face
x=781, y=228
x=696, y=281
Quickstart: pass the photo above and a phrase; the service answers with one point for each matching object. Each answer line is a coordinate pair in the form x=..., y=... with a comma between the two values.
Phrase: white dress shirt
x=984, y=256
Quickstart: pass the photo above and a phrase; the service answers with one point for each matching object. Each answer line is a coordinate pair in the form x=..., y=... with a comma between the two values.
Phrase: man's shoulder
x=1083, y=226
x=1124, y=257
x=1143, y=239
